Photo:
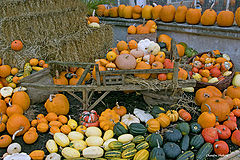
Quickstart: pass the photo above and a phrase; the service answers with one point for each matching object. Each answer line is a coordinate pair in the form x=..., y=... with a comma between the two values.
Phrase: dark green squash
x=172, y=150
x=188, y=155
x=119, y=129
x=162, y=45
x=155, y=139
x=197, y=141
x=157, y=153
x=204, y=151
x=183, y=127
x=157, y=110
x=137, y=129
x=148, y=137
x=185, y=142
x=172, y=135
x=195, y=127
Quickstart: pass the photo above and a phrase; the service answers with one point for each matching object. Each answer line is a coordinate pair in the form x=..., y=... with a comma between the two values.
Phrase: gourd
x=186, y=116
x=147, y=12
x=180, y=16
x=235, y=137
x=141, y=155
x=74, y=135
x=66, y=129
x=142, y=115
x=143, y=45
x=172, y=150
x=72, y=123
x=127, y=12
x=129, y=118
x=153, y=48
x=195, y=127
x=193, y=16
x=197, y=141
x=94, y=141
x=172, y=135
x=142, y=145
x=115, y=145
x=183, y=127
x=108, y=135
x=156, y=110
x=121, y=10
x=210, y=134
x=6, y=91
x=128, y=145
x=68, y=152
x=129, y=153
x=107, y=142
x=157, y=153
x=51, y=146
x=236, y=80
x=5, y=140
x=30, y=137
x=137, y=129
x=120, y=128
x=173, y=115
x=18, y=156
x=37, y=154
x=143, y=65
x=205, y=150
x=186, y=155
x=18, y=124
x=125, y=138
x=167, y=13
x=14, y=109
x=185, y=143
x=138, y=139
x=112, y=154
x=120, y=110
x=61, y=139
x=78, y=144
x=153, y=125
x=58, y=104
x=22, y=99
x=14, y=148
x=221, y=148
x=93, y=152
x=223, y=131
x=108, y=118
x=53, y=156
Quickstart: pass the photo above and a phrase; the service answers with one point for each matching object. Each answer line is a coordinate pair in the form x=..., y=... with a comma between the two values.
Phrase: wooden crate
x=139, y=37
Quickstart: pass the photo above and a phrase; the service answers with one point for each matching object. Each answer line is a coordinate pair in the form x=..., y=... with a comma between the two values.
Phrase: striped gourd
x=189, y=155
x=128, y=146
x=129, y=153
x=115, y=145
x=142, y=145
x=138, y=139
x=112, y=154
x=141, y=155
x=197, y=141
x=204, y=151
x=148, y=137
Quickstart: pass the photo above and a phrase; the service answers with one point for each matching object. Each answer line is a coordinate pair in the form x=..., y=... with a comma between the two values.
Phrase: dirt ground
x=130, y=101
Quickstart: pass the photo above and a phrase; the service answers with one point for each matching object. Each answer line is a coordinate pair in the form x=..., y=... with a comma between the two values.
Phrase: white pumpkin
x=6, y=91
x=236, y=80
x=14, y=148
x=143, y=45
x=94, y=25
x=142, y=115
x=153, y=48
x=17, y=156
x=53, y=156
x=94, y=141
x=106, y=143
x=78, y=144
x=93, y=131
x=74, y=135
x=129, y=118
x=68, y=152
x=93, y=152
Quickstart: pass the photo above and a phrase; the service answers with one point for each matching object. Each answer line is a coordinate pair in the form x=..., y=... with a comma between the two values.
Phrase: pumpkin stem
x=93, y=14
x=118, y=107
x=209, y=108
x=227, y=5
x=158, y=143
x=181, y=3
x=57, y=75
x=224, y=94
x=51, y=97
x=212, y=5
x=20, y=130
x=154, y=4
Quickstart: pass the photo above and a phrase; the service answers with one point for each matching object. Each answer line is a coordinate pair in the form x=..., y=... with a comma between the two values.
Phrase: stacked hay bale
x=50, y=30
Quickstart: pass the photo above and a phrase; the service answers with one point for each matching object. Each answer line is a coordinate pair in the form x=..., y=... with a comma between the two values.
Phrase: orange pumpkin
x=180, y=50
x=14, y=109
x=113, y=12
x=132, y=30
x=225, y=18
x=237, y=16
x=121, y=10
x=37, y=155
x=147, y=12
x=193, y=16
x=207, y=119
x=42, y=120
x=55, y=123
x=182, y=74
x=209, y=17
x=17, y=122
x=30, y=137
x=233, y=92
x=156, y=12
x=164, y=120
x=42, y=127
x=180, y=16
x=34, y=123
x=167, y=13
x=93, y=18
x=122, y=45
x=106, y=13
x=166, y=39
x=216, y=92
x=5, y=70
x=63, y=119
x=58, y=104
x=101, y=68
x=108, y=118
x=5, y=141
x=143, y=65
x=22, y=99
x=2, y=126
x=3, y=106
x=202, y=95
x=120, y=110
x=153, y=125
x=228, y=99
x=17, y=45
x=137, y=12
x=54, y=129
x=14, y=71
x=132, y=44
x=79, y=73
x=33, y=62
x=100, y=10
x=156, y=65
x=127, y=12
x=142, y=29
x=162, y=76
x=160, y=57
x=51, y=116
x=65, y=129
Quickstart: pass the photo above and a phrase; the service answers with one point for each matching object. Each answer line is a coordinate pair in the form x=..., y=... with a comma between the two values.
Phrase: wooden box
x=139, y=37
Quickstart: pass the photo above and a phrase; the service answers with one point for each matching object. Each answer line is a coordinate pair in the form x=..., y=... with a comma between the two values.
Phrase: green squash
x=157, y=153
x=112, y=154
x=195, y=127
x=115, y=145
x=197, y=141
x=148, y=137
x=185, y=142
x=142, y=145
x=137, y=129
x=172, y=135
x=120, y=129
x=9, y=79
x=129, y=153
x=128, y=146
x=188, y=155
x=138, y=139
x=157, y=110
x=172, y=150
x=154, y=139
x=162, y=45
x=204, y=151
x=183, y=127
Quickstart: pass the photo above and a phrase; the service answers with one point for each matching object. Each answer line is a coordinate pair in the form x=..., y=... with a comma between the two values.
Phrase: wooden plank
x=174, y=50
x=76, y=97
x=139, y=37
x=83, y=76
x=85, y=99
x=136, y=71
x=72, y=64
x=97, y=75
x=175, y=73
x=98, y=100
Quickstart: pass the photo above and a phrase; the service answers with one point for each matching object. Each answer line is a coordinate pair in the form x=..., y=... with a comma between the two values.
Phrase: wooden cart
x=116, y=81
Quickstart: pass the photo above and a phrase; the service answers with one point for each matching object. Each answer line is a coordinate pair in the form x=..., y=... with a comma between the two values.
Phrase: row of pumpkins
x=211, y=67
x=169, y=13
x=11, y=76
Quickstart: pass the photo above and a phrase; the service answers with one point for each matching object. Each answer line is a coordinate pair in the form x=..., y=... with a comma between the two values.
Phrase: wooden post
x=97, y=75
x=85, y=99
x=86, y=71
x=176, y=62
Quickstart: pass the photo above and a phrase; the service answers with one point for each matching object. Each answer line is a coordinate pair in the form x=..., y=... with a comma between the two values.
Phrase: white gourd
x=53, y=156
x=153, y=48
x=129, y=118
x=143, y=45
x=93, y=152
x=78, y=144
x=61, y=139
x=74, y=135
x=68, y=152
x=14, y=148
x=51, y=146
x=93, y=131
x=94, y=141
x=142, y=115
x=17, y=156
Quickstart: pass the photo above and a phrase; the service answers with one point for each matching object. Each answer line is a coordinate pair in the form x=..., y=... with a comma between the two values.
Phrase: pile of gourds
x=211, y=67
x=169, y=13
x=149, y=27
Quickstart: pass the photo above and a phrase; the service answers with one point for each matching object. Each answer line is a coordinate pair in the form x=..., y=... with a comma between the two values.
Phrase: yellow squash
x=51, y=146
x=61, y=139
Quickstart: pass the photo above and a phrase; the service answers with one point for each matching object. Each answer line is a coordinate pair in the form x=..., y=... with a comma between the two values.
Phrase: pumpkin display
x=17, y=123
x=127, y=12
x=108, y=118
x=137, y=12
x=89, y=118
x=58, y=104
x=125, y=61
x=121, y=10
x=30, y=137
x=22, y=99
x=235, y=138
x=167, y=13
x=180, y=16
x=147, y=12
x=221, y=148
x=5, y=140
x=17, y=45
x=120, y=110
x=207, y=119
x=143, y=65
x=209, y=17
x=156, y=10
x=153, y=125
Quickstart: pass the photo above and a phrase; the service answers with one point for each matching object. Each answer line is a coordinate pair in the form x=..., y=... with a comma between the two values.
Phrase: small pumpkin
x=108, y=118
x=5, y=141
x=17, y=122
x=63, y=119
x=173, y=115
x=42, y=127
x=51, y=116
x=58, y=104
x=237, y=16
x=137, y=12
x=221, y=148
x=201, y=95
x=230, y=124
x=34, y=123
x=65, y=129
x=163, y=119
x=100, y=10
x=209, y=17
x=225, y=18
x=127, y=12
x=223, y=131
x=17, y=45
x=3, y=106
x=180, y=16
x=143, y=65
x=125, y=61
x=186, y=116
x=132, y=29
x=120, y=110
x=210, y=134
x=233, y=92
x=22, y=99
x=147, y=12
x=207, y=119
x=55, y=123
x=153, y=125
x=37, y=155
x=14, y=109
x=5, y=71
x=54, y=129
x=156, y=10
x=30, y=137
x=129, y=118
x=236, y=137
x=121, y=10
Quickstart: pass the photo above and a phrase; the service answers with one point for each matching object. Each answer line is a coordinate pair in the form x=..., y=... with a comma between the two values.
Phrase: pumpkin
x=127, y=12
x=121, y=10
x=163, y=119
x=108, y=118
x=167, y=13
x=166, y=39
x=233, y=92
x=125, y=61
x=30, y=137
x=63, y=119
x=230, y=124
x=172, y=150
x=120, y=110
x=65, y=129
x=142, y=29
x=113, y=12
x=153, y=125
x=79, y=73
x=216, y=92
x=210, y=134
x=100, y=68
x=129, y=118
x=209, y=17
x=193, y=16
x=223, y=131
x=156, y=65
x=236, y=112
x=225, y=18
x=143, y=65
x=51, y=116
x=147, y=12
x=182, y=74
x=237, y=16
x=5, y=71
x=132, y=30
x=55, y=123
x=22, y=99
x=5, y=140
x=58, y=104
x=17, y=45
x=221, y=148
x=201, y=96
x=3, y=106
x=3, y=118
x=156, y=10
x=207, y=119
x=137, y=53
x=39, y=116
x=186, y=116
x=106, y=13
x=14, y=71
x=180, y=16
x=37, y=155
x=204, y=72
x=236, y=137
x=17, y=123
x=180, y=50
x=132, y=44
x=42, y=127
x=122, y=45
x=162, y=77
x=14, y=109
x=137, y=12
x=42, y=120
x=173, y=115
x=236, y=102
x=100, y=10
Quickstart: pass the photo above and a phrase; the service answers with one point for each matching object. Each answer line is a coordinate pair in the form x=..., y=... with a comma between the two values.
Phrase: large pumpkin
x=147, y=12
x=143, y=65
x=225, y=18
x=125, y=61
x=215, y=91
x=201, y=96
x=218, y=106
x=17, y=122
x=167, y=13
x=193, y=16
x=121, y=10
x=127, y=12
x=209, y=17
x=180, y=16
x=22, y=99
x=137, y=12
x=156, y=12
x=100, y=10
x=113, y=12
x=233, y=92
x=58, y=104
x=108, y=118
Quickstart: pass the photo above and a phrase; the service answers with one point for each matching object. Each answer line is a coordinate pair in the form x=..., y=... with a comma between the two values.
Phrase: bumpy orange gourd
x=37, y=155
x=180, y=16
x=167, y=13
x=54, y=129
x=108, y=118
x=5, y=140
x=42, y=127
x=120, y=110
x=51, y=116
x=14, y=109
x=193, y=16
x=147, y=12
x=30, y=137
x=225, y=18
x=65, y=129
x=22, y=99
x=122, y=45
x=209, y=17
x=132, y=44
x=55, y=123
x=63, y=119
x=16, y=122
x=58, y=104
x=156, y=12
x=143, y=65
x=127, y=12
x=113, y=12
x=121, y=10
x=137, y=12
x=132, y=30
x=237, y=16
